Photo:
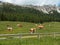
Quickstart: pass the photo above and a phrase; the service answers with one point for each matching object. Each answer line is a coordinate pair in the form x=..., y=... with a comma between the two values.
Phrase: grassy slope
x=54, y=27
x=31, y=41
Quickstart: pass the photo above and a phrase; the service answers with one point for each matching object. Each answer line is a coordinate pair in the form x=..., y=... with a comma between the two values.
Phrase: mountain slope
x=45, y=8
x=11, y=12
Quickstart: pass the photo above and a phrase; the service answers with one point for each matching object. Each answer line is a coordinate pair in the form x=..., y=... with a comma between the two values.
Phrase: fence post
x=20, y=36
x=38, y=36
x=54, y=35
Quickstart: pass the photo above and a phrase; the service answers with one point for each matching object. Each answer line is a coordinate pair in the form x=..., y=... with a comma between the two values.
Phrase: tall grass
x=32, y=41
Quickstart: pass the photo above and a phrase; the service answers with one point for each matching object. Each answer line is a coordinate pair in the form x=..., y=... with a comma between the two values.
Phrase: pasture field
x=32, y=41
x=48, y=27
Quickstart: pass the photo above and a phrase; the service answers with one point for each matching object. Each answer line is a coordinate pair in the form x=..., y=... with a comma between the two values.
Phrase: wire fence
x=28, y=35
x=32, y=39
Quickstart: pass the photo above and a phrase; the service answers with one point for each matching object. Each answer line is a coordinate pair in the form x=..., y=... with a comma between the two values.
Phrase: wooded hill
x=10, y=12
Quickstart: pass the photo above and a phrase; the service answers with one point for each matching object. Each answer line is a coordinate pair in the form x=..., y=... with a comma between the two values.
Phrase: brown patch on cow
x=19, y=25
x=40, y=26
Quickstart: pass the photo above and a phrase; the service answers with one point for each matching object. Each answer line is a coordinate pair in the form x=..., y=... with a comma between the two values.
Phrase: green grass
x=25, y=29
x=54, y=27
x=32, y=41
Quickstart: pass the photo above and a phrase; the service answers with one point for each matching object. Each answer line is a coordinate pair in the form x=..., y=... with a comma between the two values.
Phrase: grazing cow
x=19, y=25
x=41, y=26
x=9, y=28
x=32, y=30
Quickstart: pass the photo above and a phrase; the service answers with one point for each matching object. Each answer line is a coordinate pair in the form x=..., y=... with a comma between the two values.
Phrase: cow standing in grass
x=9, y=28
x=19, y=25
x=40, y=26
x=32, y=30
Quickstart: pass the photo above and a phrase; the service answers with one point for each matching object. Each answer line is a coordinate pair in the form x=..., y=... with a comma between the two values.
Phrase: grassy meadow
x=26, y=26
x=32, y=41
x=48, y=27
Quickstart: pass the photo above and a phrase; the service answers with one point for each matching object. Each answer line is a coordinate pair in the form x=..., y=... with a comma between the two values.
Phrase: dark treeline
x=9, y=12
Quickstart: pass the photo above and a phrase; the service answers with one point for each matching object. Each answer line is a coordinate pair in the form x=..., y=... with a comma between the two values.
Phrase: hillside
x=11, y=12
